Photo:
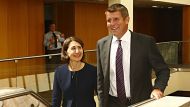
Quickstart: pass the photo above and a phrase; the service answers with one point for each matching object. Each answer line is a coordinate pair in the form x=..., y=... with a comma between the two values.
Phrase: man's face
x=116, y=24
x=52, y=27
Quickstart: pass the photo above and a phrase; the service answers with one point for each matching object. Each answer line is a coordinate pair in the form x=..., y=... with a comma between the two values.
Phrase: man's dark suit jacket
x=145, y=56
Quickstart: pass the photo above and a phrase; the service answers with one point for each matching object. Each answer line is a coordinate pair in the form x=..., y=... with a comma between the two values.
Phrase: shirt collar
x=126, y=37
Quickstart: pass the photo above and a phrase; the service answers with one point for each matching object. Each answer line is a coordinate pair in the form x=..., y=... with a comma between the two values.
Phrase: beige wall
x=179, y=81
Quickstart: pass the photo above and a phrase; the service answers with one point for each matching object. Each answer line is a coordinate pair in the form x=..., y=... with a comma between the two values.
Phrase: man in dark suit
x=139, y=56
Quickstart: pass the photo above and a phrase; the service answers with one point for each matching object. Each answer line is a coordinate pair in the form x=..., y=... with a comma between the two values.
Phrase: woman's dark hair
x=65, y=47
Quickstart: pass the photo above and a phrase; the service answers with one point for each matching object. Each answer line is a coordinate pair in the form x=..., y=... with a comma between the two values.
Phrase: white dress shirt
x=126, y=44
x=48, y=36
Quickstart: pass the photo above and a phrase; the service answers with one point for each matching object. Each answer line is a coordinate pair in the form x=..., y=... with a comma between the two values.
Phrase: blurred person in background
x=53, y=43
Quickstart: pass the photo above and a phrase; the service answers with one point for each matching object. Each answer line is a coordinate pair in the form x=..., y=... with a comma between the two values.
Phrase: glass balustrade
x=34, y=73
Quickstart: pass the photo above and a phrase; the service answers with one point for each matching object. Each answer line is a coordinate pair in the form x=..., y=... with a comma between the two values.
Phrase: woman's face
x=75, y=51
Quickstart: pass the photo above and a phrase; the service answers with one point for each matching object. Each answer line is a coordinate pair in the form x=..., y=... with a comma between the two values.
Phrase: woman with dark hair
x=74, y=82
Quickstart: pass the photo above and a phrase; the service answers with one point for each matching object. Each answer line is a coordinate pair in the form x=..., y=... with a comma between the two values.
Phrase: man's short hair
x=118, y=7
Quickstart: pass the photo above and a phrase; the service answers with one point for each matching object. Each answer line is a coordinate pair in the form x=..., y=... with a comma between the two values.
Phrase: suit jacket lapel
x=106, y=49
x=132, y=61
x=133, y=42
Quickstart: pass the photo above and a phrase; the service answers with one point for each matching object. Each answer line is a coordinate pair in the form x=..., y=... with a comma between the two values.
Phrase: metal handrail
x=50, y=55
x=37, y=56
x=172, y=42
x=169, y=42
x=142, y=103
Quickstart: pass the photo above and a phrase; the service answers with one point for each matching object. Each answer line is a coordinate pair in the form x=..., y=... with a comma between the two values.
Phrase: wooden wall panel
x=90, y=22
x=36, y=34
x=144, y=26
x=65, y=15
x=17, y=28
x=186, y=35
x=36, y=30
x=22, y=28
x=85, y=20
x=3, y=29
x=21, y=33
x=157, y=23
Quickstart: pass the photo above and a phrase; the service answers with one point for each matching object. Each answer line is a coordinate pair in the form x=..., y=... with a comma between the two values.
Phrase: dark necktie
x=120, y=74
x=55, y=40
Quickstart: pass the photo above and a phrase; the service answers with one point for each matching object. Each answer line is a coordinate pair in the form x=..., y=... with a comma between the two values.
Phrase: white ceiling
x=150, y=3
x=137, y=3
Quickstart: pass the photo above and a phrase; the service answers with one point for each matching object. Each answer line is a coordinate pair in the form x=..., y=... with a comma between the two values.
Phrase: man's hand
x=157, y=94
x=62, y=35
x=51, y=40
